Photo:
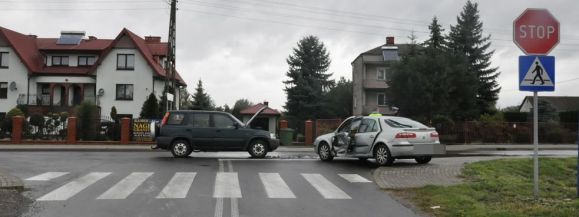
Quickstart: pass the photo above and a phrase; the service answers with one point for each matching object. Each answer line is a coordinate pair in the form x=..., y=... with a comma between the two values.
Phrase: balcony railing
x=34, y=99
x=44, y=100
x=375, y=84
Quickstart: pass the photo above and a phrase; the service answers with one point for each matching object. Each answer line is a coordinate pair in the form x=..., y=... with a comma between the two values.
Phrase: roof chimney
x=390, y=40
x=33, y=36
x=90, y=38
x=266, y=103
x=153, y=39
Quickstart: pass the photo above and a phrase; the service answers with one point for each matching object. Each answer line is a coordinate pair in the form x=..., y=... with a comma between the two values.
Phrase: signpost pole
x=577, y=185
x=536, y=145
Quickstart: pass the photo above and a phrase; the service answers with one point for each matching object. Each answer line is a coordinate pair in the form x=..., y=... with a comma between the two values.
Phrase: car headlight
x=272, y=135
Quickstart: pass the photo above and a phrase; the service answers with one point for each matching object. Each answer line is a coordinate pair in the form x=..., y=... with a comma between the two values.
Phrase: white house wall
x=16, y=72
x=108, y=77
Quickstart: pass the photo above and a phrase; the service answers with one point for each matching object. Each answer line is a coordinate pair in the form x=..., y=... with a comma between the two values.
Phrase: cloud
x=239, y=47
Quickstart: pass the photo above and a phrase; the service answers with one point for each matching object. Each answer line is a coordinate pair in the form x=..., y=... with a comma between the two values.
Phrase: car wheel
x=258, y=148
x=383, y=156
x=423, y=159
x=181, y=148
x=324, y=152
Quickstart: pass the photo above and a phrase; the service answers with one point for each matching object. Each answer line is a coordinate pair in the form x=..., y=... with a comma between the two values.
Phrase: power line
x=306, y=17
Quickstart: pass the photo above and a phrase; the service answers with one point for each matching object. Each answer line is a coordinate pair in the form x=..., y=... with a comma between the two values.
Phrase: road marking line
x=234, y=208
x=325, y=187
x=353, y=178
x=218, y=208
x=227, y=185
x=219, y=201
x=122, y=189
x=72, y=188
x=47, y=176
x=275, y=186
x=178, y=186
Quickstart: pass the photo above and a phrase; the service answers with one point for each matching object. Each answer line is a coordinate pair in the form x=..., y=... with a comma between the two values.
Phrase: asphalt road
x=156, y=184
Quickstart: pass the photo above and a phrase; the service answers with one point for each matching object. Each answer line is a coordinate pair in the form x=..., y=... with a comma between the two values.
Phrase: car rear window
x=176, y=119
x=403, y=123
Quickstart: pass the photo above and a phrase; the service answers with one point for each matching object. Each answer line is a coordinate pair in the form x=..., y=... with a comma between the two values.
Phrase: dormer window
x=125, y=61
x=86, y=60
x=60, y=60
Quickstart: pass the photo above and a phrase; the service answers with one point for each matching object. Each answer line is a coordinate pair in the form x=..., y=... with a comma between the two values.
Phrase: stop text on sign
x=536, y=31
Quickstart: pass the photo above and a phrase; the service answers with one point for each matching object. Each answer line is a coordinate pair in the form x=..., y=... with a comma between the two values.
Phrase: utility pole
x=170, y=66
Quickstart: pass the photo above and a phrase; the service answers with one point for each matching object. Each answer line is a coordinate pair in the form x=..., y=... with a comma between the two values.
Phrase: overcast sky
x=238, y=47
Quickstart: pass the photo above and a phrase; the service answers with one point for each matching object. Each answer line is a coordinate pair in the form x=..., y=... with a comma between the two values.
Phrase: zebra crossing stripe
x=275, y=186
x=72, y=188
x=354, y=178
x=325, y=187
x=46, y=176
x=125, y=187
x=227, y=185
x=178, y=187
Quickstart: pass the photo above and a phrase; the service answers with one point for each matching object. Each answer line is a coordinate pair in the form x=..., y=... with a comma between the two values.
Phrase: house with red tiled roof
x=266, y=120
x=56, y=74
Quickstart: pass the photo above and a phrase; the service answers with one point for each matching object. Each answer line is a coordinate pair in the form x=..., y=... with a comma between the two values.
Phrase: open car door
x=343, y=137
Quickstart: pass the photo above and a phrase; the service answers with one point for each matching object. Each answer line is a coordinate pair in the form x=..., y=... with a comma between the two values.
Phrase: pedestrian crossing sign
x=537, y=73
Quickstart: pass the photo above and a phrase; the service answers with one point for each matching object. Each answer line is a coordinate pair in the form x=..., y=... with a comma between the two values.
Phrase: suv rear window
x=176, y=119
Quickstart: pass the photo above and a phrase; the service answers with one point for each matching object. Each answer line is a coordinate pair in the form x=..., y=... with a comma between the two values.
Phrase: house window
x=86, y=60
x=125, y=61
x=3, y=90
x=124, y=92
x=45, y=89
x=381, y=74
x=381, y=99
x=59, y=60
x=4, y=60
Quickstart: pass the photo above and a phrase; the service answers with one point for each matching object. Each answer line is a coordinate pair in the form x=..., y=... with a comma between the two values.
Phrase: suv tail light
x=165, y=118
x=434, y=135
x=405, y=135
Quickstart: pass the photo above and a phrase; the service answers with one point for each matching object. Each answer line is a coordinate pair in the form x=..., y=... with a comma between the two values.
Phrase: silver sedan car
x=384, y=138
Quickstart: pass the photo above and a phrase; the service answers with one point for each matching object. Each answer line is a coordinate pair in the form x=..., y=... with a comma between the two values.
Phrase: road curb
x=10, y=182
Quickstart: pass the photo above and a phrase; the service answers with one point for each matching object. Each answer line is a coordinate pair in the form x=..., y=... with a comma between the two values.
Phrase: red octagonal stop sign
x=536, y=31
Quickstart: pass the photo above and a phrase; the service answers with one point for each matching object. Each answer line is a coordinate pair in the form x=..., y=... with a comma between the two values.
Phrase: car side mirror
x=236, y=125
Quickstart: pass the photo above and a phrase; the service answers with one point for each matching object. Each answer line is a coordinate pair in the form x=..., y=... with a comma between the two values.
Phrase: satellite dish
x=101, y=92
x=13, y=86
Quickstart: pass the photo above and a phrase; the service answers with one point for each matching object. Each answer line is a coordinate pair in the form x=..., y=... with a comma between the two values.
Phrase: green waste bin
x=286, y=136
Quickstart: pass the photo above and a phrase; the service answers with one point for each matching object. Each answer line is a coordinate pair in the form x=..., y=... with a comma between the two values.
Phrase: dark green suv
x=183, y=132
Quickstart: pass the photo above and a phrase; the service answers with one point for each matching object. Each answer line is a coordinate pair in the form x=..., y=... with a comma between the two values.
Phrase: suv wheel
x=181, y=148
x=258, y=148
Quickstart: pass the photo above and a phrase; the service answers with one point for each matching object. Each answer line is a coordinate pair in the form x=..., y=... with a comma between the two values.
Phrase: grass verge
x=505, y=188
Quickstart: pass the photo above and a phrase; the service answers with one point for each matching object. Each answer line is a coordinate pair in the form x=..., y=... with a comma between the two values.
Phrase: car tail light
x=165, y=118
x=434, y=135
x=405, y=135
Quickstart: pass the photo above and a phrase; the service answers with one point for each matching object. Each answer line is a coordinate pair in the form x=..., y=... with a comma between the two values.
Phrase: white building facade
x=57, y=74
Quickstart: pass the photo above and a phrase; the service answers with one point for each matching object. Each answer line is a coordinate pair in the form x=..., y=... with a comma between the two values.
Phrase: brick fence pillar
x=71, y=130
x=125, y=124
x=17, y=125
x=282, y=124
x=309, y=133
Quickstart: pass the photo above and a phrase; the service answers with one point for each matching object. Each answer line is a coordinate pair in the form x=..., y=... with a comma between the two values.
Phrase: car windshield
x=397, y=122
